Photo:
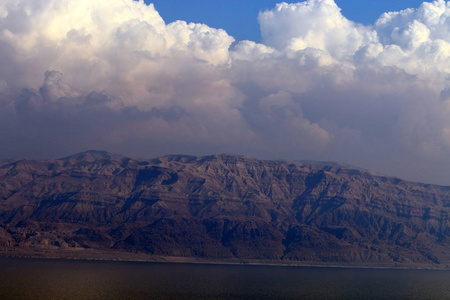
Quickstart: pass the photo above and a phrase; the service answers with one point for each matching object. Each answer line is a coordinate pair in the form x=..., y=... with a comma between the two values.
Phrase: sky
x=316, y=80
x=239, y=18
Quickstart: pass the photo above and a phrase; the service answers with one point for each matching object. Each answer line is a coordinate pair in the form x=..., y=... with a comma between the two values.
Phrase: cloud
x=113, y=75
x=417, y=40
x=313, y=24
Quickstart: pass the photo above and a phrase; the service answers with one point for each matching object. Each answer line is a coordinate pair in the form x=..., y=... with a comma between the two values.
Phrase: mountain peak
x=92, y=155
x=222, y=207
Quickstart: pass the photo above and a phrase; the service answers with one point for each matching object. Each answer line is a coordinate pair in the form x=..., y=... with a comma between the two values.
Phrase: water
x=60, y=279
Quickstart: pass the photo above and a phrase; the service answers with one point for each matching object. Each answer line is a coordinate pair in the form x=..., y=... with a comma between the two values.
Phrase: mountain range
x=226, y=208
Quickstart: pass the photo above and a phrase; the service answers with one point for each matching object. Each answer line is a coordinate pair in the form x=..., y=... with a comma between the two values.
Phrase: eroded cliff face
x=224, y=207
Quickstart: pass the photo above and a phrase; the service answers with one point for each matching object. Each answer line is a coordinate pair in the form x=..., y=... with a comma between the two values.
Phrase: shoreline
x=139, y=257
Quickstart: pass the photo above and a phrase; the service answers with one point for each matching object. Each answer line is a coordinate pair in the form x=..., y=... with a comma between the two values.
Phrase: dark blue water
x=60, y=279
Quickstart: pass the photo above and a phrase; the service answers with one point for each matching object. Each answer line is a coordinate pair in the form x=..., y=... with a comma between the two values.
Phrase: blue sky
x=239, y=17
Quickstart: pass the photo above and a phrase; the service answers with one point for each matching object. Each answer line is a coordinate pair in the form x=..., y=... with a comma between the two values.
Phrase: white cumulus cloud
x=112, y=75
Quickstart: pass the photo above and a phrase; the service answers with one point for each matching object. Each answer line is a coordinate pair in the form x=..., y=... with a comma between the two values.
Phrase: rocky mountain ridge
x=225, y=207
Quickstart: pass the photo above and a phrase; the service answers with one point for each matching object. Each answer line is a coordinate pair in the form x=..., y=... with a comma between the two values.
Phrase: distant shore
x=121, y=256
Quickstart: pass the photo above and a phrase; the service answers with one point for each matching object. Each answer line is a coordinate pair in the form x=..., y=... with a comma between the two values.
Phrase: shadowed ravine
x=223, y=207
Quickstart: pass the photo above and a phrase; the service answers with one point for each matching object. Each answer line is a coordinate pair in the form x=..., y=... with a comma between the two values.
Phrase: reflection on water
x=59, y=279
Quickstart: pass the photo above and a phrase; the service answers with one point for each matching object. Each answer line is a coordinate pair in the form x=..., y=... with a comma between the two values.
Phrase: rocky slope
x=222, y=207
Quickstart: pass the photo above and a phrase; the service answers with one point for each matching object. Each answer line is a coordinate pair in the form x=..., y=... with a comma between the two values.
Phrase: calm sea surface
x=60, y=279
